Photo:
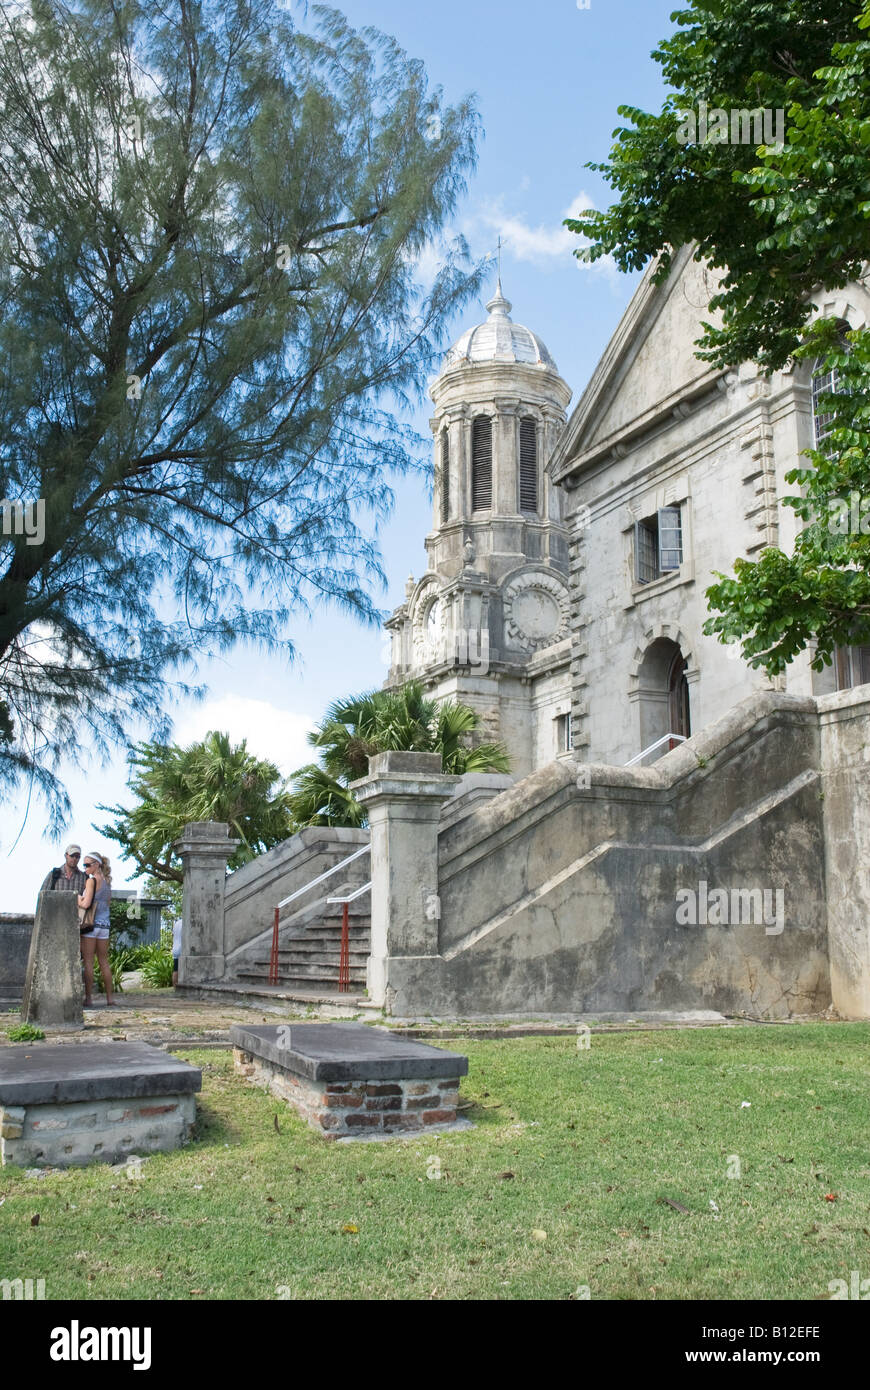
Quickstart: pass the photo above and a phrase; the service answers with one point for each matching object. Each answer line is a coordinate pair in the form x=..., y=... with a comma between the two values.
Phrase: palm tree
x=380, y=721
x=318, y=799
x=211, y=780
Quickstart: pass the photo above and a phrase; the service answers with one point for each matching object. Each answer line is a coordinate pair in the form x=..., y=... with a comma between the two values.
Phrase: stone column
x=204, y=849
x=53, y=986
x=506, y=457
x=403, y=795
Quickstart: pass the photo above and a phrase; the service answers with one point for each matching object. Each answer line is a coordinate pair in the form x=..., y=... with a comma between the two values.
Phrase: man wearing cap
x=69, y=877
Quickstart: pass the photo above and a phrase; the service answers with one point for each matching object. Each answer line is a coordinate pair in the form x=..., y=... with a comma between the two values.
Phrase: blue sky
x=548, y=79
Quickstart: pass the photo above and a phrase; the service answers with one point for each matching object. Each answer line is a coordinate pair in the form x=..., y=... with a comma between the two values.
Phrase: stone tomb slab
x=71, y=1104
x=350, y=1081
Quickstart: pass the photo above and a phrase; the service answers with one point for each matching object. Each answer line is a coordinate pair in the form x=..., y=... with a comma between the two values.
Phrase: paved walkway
x=162, y=1016
x=175, y=1020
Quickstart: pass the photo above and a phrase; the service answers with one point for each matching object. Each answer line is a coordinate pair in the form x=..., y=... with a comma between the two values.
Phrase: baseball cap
x=72, y=849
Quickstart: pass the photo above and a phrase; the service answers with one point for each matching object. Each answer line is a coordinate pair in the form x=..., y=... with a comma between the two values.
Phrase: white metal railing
x=321, y=878
x=666, y=738
x=352, y=897
x=344, y=968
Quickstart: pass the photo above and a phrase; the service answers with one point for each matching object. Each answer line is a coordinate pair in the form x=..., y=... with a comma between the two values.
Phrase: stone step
x=289, y=981
x=300, y=967
x=316, y=948
x=309, y=957
x=361, y=924
x=323, y=938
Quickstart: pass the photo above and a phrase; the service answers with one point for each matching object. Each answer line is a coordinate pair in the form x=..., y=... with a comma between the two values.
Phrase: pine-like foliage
x=209, y=227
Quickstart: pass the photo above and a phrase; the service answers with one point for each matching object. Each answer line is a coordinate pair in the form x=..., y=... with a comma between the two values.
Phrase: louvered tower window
x=481, y=464
x=528, y=465
x=445, y=477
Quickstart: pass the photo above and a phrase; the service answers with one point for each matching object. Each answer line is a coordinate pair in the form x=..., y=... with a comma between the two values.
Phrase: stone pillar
x=204, y=849
x=403, y=795
x=53, y=985
x=845, y=748
x=506, y=457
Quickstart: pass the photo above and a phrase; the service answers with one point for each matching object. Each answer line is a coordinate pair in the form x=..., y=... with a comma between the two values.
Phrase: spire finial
x=498, y=304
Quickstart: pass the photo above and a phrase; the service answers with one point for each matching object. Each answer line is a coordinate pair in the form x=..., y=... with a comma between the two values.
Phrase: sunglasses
x=75, y=855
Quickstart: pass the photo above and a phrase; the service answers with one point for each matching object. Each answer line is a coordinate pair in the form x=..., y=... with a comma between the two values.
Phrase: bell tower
x=494, y=596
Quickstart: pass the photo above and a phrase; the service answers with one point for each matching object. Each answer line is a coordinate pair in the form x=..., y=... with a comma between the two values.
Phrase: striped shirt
x=74, y=884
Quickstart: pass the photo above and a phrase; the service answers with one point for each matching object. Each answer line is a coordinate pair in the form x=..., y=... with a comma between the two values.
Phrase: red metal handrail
x=273, y=958
x=344, y=956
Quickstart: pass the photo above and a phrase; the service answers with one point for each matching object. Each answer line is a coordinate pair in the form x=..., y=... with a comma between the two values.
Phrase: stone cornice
x=672, y=410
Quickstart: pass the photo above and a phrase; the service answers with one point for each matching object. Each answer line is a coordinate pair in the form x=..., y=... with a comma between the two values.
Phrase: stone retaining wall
x=16, y=929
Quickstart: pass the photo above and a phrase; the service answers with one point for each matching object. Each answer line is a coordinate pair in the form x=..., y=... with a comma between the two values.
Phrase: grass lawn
x=560, y=1185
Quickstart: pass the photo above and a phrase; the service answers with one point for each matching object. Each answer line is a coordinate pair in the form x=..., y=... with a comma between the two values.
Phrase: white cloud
x=544, y=244
x=273, y=733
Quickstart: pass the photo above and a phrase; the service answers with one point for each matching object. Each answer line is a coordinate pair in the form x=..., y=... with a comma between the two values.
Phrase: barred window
x=445, y=476
x=528, y=465
x=481, y=464
x=824, y=383
x=658, y=545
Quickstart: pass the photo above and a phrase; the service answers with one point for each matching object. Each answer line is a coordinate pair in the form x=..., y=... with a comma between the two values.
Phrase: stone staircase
x=308, y=955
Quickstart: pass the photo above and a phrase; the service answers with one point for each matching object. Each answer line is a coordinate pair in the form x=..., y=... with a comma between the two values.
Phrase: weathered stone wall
x=16, y=930
x=561, y=899
x=656, y=428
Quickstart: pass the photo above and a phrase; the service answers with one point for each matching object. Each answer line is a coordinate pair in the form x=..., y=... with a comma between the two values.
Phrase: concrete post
x=845, y=744
x=204, y=849
x=53, y=985
x=403, y=795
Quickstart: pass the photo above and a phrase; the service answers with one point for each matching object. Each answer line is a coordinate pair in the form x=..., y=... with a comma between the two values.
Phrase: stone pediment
x=648, y=369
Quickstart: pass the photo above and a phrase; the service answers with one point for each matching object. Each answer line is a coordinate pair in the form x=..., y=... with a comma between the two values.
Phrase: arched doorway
x=678, y=699
x=663, y=696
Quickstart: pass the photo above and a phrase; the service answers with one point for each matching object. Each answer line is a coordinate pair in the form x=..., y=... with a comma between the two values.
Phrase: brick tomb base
x=350, y=1081
x=78, y=1103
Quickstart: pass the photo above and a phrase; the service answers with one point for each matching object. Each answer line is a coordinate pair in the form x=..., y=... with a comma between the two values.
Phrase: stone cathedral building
x=569, y=558
x=564, y=598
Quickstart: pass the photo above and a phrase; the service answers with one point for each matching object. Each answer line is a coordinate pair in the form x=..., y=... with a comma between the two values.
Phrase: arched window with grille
x=528, y=465
x=445, y=476
x=481, y=464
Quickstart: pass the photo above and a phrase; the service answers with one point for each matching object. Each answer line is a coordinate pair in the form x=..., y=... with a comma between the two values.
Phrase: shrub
x=156, y=962
x=121, y=959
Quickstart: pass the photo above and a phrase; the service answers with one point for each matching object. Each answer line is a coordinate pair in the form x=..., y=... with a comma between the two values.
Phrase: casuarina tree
x=210, y=222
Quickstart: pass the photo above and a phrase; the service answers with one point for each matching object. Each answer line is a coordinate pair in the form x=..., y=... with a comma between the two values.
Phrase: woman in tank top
x=98, y=891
